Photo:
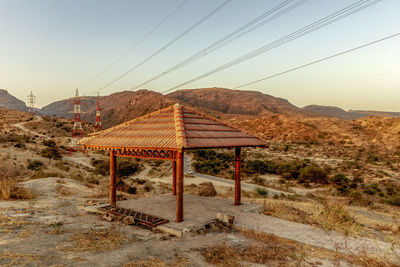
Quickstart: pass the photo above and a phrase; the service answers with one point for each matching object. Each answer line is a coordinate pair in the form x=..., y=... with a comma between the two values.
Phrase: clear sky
x=53, y=46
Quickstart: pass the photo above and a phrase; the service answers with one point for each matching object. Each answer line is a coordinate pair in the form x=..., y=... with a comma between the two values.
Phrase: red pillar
x=237, y=176
x=179, y=186
x=113, y=178
x=174, y=178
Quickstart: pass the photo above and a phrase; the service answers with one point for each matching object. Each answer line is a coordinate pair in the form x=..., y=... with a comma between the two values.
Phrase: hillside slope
x=115, y=108
x=123, y=106
x=334, y=112
x=9, y=101
x=367, y=133
x=239, y=102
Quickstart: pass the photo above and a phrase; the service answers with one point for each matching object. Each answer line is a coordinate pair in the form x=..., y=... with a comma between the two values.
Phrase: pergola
x=166, y=134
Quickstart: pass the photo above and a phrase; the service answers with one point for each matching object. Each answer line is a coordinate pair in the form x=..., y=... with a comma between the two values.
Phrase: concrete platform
x=198, y=211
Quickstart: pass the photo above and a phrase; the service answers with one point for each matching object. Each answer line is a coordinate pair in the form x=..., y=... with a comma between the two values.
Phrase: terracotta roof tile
x=174, y=127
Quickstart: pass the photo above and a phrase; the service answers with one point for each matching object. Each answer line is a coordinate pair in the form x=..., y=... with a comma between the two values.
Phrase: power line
x=226, y=2
x=319, y=60
x=347, y=11
x=135, y=44
x=241, y=31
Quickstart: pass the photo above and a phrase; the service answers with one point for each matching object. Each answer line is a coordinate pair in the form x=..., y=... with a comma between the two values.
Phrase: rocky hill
x=115, y=108
x=375, y=113
x=238, y=102
x=335, y=112
x=365, y=133
x=9, y=101
x=122, y=106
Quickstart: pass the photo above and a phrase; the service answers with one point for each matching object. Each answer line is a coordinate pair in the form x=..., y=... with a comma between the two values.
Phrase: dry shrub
x=9, y=224
x=272, y=251
x=268, y=253
x=327, y=215
x=14, y=259
x=334, y=216
x=98, y=240
x=179, y=262
x=207, y=189
x=308, y=252
x=368, y=260
x=9, y=189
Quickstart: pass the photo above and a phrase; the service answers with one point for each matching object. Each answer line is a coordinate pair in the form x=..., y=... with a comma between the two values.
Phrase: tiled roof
x=174, y=127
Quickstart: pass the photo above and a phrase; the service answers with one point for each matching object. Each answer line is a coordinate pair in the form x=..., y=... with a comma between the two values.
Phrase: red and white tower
x=77, y=130
x=97, y=125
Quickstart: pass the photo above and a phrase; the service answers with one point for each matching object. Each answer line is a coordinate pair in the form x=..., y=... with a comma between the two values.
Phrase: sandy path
x=21, y=126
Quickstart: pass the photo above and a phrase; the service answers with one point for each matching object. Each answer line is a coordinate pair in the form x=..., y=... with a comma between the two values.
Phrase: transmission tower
x=77, y=130
x=31, y=103
x=97, y=125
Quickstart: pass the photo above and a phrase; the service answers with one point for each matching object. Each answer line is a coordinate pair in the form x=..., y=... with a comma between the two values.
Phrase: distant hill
x=336, y=112
x=123, y=106
x=375, y=113
x=239, y=102
x=64, y=108
x=219, y=102
x=115, y=108
x=9, y=101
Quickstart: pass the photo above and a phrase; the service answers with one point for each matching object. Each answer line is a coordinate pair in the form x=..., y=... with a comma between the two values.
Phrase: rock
x=128, y=220
x=228, y=219
x=207, y=189
x=108, y=217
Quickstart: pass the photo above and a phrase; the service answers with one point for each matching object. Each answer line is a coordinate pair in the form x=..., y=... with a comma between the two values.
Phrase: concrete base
x=198, y=211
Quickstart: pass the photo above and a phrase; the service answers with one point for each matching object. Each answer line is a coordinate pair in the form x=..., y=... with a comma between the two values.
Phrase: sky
x=52, y=47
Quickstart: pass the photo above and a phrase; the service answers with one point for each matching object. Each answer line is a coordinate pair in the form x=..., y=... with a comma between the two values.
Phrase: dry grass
x=271, y=254
x=97, y=240
x=179, y=262
x=13, y=259
x=9, y=224
x=270, y=250
x=311, y=255
x=325, y=214
x=9, y=189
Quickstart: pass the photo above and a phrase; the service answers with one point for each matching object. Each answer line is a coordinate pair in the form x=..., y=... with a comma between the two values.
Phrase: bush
x=340, y=179
x=49, y=143
x=210, y=162
x=50, y=153
x=35, y=165
x=314, y=174
x=207, y=189
x=372, y=189
x=9, y=189
x=125, y=167
x=288, y=170
x=19, y=145
x=62, y=166
x=395, y=201
x=256, y=166
x=262, y=191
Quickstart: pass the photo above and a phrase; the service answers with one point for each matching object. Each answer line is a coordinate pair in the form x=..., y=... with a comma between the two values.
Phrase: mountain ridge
x=9, y=101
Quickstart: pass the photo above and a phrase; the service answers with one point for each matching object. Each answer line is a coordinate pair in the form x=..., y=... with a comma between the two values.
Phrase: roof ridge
x=180, y=130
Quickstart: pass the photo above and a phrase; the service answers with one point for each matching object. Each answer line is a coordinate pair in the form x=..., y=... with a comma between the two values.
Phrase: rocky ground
x=51, y=228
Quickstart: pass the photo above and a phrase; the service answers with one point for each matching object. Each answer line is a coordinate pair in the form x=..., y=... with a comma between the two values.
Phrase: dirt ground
x=52, y=229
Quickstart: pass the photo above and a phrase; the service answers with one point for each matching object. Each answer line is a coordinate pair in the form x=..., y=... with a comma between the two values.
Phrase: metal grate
x=139, y=217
